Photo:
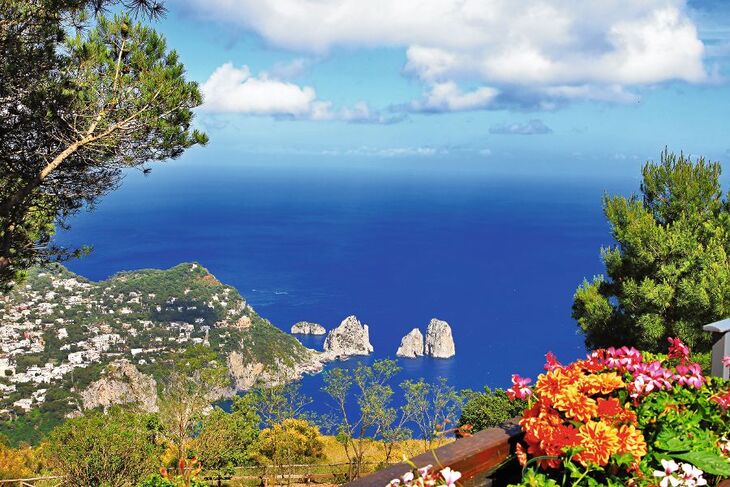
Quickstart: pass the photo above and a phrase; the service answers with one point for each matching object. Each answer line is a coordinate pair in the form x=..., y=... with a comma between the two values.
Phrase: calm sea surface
x=497, y=256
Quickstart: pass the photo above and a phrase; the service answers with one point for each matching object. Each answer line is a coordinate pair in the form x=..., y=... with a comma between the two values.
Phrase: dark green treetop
x=668, y=272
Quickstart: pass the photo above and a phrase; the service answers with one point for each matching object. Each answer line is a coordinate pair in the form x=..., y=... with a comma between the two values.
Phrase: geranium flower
x=690, y=375
x=677, y=349
x=519, y=388
x=450, y=476
x=692, y=476
x=726, y=361
x=551, y=362
x=667, y=475
x=624, y=358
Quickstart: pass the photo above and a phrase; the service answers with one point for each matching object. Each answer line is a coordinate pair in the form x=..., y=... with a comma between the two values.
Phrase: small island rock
x=307, y=328
x=439, y=340
x=349, y=339
x=411, y=345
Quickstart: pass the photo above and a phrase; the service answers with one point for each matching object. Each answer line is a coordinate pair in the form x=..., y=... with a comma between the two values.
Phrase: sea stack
x=349, y=339
x=439, y=340
x=308, y=328
x=411, y=346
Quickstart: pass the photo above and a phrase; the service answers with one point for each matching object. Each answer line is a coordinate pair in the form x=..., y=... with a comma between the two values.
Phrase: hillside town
x=57, y=323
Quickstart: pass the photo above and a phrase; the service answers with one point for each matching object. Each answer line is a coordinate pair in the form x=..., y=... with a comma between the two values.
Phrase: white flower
x=407, y=477
x=670, y=466
x=692, y=476
x=450, y=476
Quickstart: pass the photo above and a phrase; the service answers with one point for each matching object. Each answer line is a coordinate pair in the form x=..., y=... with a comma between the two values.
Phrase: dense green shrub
x=488, y=409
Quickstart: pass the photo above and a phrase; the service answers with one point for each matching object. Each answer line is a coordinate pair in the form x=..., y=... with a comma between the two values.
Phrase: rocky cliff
x=349, y=339
x=439, y=340
x=307, y=328
x=121, y=383
x=411, y=345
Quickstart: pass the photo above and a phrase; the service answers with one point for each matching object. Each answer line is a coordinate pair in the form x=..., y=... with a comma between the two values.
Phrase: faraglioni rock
x=439, y=340
x=308, y=328
x=411, y=345
x=349, y=339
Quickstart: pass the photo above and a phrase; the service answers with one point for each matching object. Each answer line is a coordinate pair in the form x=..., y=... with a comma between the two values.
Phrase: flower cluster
x=427, y=477
x=679, y=475
x=594, y=415
x=576, y=410
x=647, y=377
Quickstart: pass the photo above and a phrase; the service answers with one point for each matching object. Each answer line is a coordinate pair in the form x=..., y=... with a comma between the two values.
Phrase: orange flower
x=611, y=410
x=601, y=383
x=574, y=404
x=631, y=441
x=521, y=454
x=551, y=384
x=599, y=441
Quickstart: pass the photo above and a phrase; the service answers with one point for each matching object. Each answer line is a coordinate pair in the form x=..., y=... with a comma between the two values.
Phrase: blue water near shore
x=497, y=256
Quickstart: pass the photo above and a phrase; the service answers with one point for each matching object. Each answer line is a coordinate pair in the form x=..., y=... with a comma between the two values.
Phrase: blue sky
x=606, y=84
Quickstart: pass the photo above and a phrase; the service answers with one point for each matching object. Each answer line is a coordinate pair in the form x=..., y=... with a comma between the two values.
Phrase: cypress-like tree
x=668, y=272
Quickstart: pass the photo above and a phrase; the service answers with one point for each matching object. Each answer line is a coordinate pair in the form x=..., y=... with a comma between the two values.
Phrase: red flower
x=677, y=349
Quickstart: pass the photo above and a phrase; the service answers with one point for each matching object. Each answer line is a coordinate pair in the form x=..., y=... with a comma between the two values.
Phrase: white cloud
x=289, y=69
x=231, y=89
x=447, y=97
x=542, y=51
x=388, y=152
x=531, y=127
x=235, y=90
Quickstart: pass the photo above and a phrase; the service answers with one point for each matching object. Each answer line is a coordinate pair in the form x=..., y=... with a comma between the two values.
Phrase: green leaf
x=706, y=461
x=672, y=441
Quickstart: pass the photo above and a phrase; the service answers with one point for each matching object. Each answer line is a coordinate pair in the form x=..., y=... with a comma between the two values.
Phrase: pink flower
x=677, y=349
x=690, y=375
x=450, y=476
x=519, y=388
x=623, y=359
x=551, y=362
x=650, y=377
x=726, y=361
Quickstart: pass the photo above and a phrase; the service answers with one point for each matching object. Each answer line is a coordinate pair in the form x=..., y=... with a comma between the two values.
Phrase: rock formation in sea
x=411, y=345
x=308, y=328
x=349, y=339
x=439, y=340
x=121, y=383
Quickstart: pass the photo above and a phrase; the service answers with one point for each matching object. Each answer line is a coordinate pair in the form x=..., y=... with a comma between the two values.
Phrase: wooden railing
x=483, y=459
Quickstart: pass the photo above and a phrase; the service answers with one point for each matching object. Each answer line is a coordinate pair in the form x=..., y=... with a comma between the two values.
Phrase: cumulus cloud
x=531, y=127
x=235, y=90
x=447, y=97
x=544, y=52
x=231, y=89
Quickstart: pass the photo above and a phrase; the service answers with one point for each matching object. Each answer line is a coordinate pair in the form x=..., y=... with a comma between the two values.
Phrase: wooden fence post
x=721, y=347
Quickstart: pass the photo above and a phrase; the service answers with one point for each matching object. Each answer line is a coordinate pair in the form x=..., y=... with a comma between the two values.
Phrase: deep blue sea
x=496, y=255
